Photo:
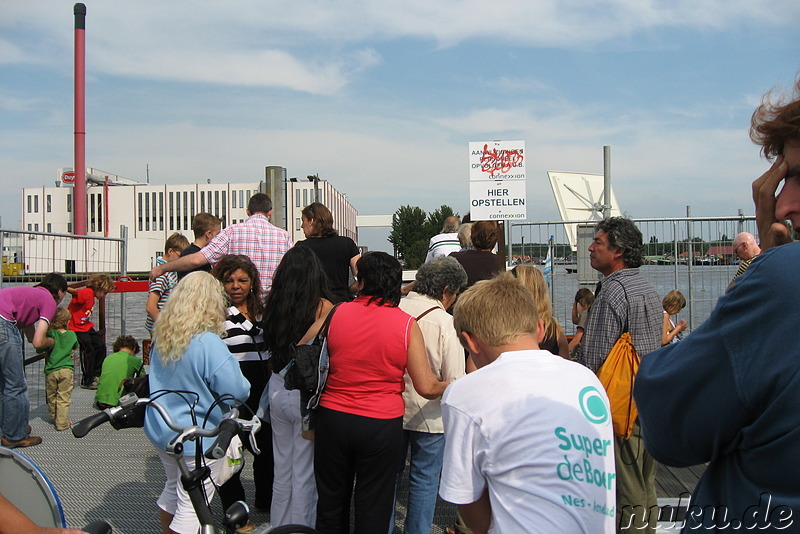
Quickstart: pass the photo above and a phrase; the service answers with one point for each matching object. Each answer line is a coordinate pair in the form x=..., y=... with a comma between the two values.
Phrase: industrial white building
x=150, y=212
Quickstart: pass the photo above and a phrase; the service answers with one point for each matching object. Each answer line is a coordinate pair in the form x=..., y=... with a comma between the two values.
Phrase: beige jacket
x=445, y=355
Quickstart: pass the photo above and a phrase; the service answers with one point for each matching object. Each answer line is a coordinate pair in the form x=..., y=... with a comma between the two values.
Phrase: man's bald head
x=745, y=246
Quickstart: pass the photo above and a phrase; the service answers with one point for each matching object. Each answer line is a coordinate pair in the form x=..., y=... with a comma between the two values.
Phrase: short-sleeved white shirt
x=535, y=429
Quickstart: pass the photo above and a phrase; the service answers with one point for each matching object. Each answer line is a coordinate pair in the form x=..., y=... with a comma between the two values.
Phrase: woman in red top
x=359, y=428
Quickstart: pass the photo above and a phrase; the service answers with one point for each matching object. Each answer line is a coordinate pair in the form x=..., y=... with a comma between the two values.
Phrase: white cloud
x=316, y=46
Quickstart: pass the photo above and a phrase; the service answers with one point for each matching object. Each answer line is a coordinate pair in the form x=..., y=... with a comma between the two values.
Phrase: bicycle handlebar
x=84, y=426
x=227, y=429
x=125, y=415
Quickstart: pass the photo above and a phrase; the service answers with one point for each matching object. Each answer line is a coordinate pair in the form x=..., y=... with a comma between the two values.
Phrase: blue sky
x=383, y=98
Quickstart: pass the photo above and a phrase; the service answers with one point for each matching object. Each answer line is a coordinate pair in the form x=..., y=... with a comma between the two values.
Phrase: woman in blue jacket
x=189, y=355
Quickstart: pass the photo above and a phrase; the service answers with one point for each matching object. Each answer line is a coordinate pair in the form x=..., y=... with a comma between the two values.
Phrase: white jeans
x=175, y=501
x=294, y=491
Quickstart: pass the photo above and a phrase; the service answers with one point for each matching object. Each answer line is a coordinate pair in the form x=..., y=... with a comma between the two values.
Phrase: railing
x=691, y=254
x=28, y=255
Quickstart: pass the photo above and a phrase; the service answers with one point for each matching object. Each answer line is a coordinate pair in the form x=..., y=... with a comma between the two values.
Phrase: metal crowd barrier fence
x=692, y=254
x=28, y=255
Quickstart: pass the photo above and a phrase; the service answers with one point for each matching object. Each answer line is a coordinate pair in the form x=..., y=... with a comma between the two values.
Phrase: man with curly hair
x=729, y=393
x=625, y=301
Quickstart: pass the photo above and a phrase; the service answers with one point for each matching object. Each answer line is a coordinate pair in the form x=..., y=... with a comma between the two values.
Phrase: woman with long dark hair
x=338, y=254
x=244, y=339
x=359, y=428
x=296, y=308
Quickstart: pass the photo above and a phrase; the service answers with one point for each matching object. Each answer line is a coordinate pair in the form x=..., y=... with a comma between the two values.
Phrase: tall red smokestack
x=80, y=120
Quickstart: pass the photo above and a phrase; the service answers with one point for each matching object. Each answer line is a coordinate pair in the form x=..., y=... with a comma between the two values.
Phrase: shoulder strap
x=323, y=331
x=426, y=312
x=626, y=327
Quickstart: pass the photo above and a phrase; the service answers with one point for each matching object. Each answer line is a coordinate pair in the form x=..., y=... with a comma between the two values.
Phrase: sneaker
x=29, y=441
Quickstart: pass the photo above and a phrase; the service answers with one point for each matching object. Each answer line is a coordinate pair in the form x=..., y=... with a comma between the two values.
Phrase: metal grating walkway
x=116, y=476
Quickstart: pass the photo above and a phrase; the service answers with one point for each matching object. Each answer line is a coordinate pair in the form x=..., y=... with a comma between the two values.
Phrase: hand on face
x=771, y=232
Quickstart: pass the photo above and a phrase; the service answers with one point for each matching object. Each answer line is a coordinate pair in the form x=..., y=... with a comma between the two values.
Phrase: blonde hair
x=533, y=279
x=673, y=302
x=60, y=319
x=195, y=306
x=101, y=282
x=498, y=311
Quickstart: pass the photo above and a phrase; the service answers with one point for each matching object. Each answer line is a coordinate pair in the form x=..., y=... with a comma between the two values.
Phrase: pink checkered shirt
x=256, y=238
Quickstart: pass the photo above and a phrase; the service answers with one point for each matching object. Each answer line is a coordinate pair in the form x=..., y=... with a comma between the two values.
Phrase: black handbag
x=302, y=371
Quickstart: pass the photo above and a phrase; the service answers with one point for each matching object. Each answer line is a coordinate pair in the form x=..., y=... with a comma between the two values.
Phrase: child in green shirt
x=59, y=369
x=122, y=364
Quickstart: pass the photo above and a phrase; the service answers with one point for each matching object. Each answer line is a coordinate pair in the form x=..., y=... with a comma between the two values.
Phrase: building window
x=30, y=205
x=241, y=198
x=297, y=224
x=49, y=203
x=69, y=227
x=192, y=205
x=36, y=203
x=30, y=227
x=209, y=203
x=177, y=210
x=146, y=212
x=69, y=202
x=36, y=227
x=161, y=210
x=171, y=211
x=49, y=228
x=224, y=207
x=99, y=213
x=91, y=213
x=155, y=216
x=141, y=217
x=297, y=194
x=185, y=210
x=233, y=199
x=202, y=202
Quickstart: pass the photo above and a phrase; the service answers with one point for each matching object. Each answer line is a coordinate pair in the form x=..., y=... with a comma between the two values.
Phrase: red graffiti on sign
x=500, y=161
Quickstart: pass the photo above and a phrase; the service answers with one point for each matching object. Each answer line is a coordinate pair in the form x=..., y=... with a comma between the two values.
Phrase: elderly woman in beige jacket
x=436, y=287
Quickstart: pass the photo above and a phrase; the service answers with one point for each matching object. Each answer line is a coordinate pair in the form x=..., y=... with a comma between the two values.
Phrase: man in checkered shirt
x=625, y=298
x=256, y=238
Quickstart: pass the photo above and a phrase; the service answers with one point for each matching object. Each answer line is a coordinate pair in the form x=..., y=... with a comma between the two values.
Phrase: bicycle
x=130, y=414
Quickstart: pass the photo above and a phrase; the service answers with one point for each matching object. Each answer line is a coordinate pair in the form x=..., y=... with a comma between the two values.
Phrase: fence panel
x=693, y=255
x=29, y=255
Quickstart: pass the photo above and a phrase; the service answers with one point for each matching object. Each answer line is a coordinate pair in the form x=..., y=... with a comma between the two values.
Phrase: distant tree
x=408, y=236
x=412, y=230
x=435, y=220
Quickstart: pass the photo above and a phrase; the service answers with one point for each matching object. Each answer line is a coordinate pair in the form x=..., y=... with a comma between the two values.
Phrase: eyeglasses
x=736, y=248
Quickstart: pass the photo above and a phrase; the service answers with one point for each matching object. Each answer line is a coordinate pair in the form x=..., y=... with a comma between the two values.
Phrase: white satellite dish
x=579, y=197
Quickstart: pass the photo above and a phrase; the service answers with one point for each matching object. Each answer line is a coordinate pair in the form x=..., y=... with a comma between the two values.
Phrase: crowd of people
x=466, y=374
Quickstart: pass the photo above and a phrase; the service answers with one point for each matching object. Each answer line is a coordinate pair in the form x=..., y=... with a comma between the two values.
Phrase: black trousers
x=93, y=352
x=263, y=464
x=348, y=447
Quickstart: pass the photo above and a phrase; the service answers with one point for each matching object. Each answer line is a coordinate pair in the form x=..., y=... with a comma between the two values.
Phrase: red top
x=368, y=347
x=81, y=309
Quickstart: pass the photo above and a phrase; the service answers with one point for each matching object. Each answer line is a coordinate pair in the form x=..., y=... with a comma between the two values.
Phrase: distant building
x=152, y=212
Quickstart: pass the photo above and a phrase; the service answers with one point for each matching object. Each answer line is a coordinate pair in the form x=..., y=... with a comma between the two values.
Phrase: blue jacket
x=729, y=394
x=207, y=368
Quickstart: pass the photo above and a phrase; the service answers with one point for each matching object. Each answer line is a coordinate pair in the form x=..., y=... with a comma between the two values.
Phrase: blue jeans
x=16, y=407
x=427, y=455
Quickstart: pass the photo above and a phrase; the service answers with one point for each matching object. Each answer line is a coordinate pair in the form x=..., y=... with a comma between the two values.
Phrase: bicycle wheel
x=293, y=529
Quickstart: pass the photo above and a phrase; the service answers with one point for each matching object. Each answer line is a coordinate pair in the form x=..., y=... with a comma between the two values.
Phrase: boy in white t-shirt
x=529, y=441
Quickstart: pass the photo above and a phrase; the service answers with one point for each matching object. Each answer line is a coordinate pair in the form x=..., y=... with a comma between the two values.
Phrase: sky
x=383, y=98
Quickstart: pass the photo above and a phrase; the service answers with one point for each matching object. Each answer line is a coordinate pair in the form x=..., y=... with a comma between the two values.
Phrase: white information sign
x=493, y=200
x=497, y=160
x=497, y=188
